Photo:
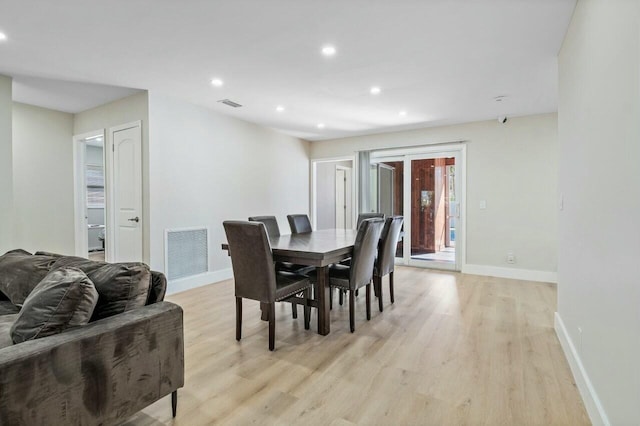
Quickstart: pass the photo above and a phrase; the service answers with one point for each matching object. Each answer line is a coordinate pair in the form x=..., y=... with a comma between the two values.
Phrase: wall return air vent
x=186, y=252
x=230, y=103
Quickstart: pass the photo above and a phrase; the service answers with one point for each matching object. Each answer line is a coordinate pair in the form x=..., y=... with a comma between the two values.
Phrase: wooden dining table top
x=316, y=248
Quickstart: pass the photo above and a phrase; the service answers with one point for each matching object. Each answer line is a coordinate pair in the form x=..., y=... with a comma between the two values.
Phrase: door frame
x=459, y=152
x=348, y=171
x=313, y=183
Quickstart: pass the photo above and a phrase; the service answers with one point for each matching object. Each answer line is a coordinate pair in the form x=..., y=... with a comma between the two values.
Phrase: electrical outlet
x=511, y=258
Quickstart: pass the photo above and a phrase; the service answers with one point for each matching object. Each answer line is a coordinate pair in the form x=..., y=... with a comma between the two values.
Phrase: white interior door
x=341, y=207
x=127, y=193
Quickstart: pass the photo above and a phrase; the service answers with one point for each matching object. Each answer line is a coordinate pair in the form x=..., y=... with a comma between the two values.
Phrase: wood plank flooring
x=454, y=349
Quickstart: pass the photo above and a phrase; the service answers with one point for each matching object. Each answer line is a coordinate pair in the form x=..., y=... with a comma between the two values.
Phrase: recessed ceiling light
x=320, y=125
x=328, y=50
x=3, y=36
x=375, y=90
x=402, y=113
x=279, y=108
x=216, y=82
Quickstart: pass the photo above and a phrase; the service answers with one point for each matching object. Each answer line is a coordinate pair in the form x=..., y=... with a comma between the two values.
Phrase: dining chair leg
x=272, y=326
x=368, y=301
x=352, y=309
x=340, y=296
x=391, y=285
x=377, y=282
x=238, y=318
x=307, y=309
x=294, y=311
x=174, y=402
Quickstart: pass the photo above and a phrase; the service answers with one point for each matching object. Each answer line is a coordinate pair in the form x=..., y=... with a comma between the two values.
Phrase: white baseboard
x=183, y=284
x=589, y=396
x=513, y=273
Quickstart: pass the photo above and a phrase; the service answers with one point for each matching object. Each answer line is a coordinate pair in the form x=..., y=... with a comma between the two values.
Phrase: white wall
x=123, y=111
x=599, y=227
x=6, y=166
x=513, y=167
x=326, y=193
x=206, y=168
x=43, y=179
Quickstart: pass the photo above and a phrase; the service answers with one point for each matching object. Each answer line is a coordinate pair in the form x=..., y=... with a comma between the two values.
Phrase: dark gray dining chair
x=360, y=273
x=270, y=222
x=273, y=230
x=364, y=216
x=255, y=275
x=299, y=223
x=361, y=217
x=385, y=262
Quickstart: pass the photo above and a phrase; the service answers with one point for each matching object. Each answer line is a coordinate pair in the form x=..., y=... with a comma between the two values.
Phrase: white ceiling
x=442, y=61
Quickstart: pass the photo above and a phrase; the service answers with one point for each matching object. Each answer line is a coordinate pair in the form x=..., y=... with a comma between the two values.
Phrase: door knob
x=134, y=219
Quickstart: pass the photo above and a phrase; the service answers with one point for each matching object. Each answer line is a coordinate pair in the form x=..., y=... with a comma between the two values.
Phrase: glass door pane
x=393, y=191
x=433, y=211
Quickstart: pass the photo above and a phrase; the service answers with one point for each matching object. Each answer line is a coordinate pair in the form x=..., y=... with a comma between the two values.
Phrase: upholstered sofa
x=101, y=372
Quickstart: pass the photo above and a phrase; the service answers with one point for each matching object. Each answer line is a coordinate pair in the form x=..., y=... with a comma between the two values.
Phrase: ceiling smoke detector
x=230, y=103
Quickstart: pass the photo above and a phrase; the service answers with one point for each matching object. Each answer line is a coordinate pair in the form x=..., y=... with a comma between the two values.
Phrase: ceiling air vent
x=230, y=103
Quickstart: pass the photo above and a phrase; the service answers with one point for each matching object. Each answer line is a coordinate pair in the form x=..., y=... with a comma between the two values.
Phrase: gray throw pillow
x=121, y=286
x=65, y=298
x=20, y=272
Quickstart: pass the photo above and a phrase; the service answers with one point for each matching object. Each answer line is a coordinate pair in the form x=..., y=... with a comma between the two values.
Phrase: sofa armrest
x=100, y=373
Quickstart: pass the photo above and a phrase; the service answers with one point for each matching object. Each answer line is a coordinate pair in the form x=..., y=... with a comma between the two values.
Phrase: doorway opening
x=333, y=194
x=433, y=210
x=91, y=221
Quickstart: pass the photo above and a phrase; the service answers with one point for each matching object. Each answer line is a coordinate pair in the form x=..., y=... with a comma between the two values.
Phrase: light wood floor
x=453, y=350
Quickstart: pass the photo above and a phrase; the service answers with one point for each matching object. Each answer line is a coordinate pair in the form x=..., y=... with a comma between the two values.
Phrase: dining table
x=320, y=249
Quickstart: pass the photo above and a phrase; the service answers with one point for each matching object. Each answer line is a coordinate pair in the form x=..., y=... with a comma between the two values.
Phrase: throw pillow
x=121, y=286
x=20, y=272
x=65, y=298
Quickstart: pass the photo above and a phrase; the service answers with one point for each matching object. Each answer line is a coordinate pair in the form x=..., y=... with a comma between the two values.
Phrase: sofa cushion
x=158, y=288
x=121, y=286
x=8, y=308
x=6, y=321
x=20, y=272
x=65, y=298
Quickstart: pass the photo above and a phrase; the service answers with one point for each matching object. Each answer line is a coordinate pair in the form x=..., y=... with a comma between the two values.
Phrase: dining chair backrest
x=252, y=260
x=299, y=223
x=270, y=222
x=363, y=216
x=387, y=246
x=364, y=252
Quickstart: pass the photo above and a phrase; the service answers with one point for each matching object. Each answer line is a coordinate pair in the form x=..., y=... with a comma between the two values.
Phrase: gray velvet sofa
x=100, y=373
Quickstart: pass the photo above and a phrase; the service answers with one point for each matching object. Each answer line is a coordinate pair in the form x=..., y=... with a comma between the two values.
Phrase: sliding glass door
x=425, y=188
x=434, y=212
